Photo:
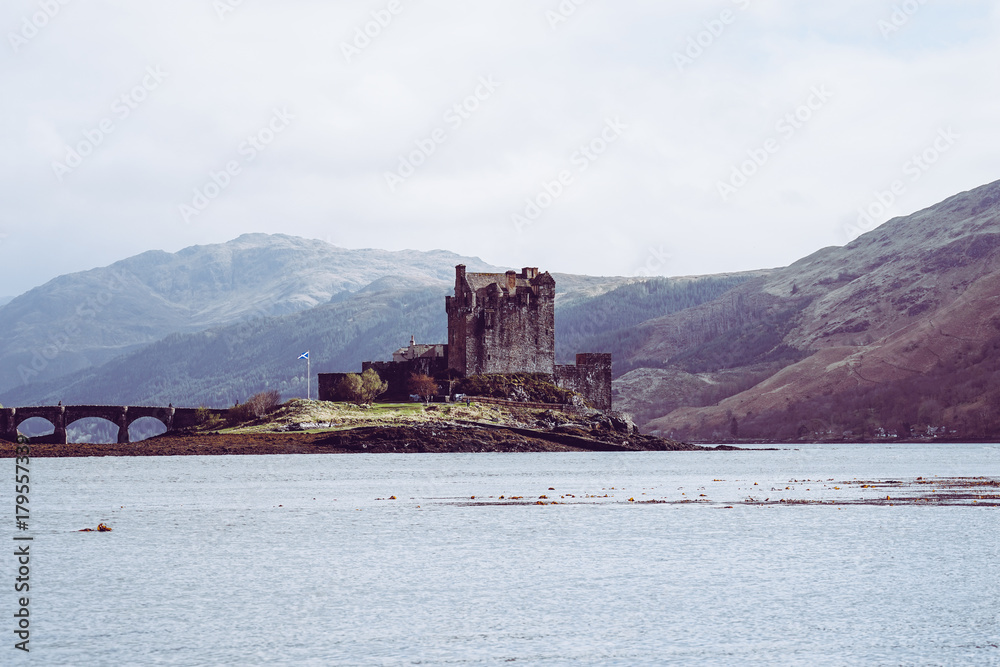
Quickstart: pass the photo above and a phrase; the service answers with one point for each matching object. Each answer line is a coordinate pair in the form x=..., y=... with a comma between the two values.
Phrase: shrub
x=256, y=406
x=238, y=414
x=264, y=403
x=202, y=415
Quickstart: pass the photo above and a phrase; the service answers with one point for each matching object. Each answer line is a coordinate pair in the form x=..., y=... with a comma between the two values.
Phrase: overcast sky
x=597, y=138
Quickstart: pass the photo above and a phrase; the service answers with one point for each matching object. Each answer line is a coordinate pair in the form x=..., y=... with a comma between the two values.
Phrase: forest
x=608, y=323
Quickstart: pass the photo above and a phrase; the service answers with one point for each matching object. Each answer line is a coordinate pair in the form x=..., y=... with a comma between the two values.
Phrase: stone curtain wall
x=328, y=385
x=590, y=377
x=498, y=324
x=396, y=373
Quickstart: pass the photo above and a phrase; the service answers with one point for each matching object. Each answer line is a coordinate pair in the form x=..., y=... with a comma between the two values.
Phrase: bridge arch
x=116, y=414
x=12, y=418
x=33, y=427
x=140, y=428
x=89, y=426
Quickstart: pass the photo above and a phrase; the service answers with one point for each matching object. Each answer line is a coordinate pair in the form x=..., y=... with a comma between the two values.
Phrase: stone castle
x=497, y=323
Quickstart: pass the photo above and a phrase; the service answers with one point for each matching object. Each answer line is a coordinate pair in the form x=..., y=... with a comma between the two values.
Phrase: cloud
x=325, y=176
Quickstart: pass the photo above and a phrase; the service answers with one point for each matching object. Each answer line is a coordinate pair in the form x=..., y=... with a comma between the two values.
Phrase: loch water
x=307, y=560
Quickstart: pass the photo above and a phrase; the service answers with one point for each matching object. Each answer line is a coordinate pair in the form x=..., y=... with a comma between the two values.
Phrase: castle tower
x=501, y=322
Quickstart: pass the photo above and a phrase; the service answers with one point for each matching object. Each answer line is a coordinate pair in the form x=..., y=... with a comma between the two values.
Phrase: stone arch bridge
x=62, y=416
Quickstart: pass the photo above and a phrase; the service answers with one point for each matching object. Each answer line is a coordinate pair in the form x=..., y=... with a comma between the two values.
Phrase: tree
x=422, y=385
x=362, y=389
x=264, y=402
x=349, y=388
x=372, y=385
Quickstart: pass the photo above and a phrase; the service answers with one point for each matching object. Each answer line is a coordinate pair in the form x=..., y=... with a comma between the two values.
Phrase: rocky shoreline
x=433, y=437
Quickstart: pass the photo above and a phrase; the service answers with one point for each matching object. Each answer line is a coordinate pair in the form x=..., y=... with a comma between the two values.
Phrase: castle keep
x=497, y=323
x=502, y=322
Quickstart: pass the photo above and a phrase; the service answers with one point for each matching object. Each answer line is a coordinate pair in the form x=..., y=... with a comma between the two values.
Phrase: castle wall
x=590, y=377
x=328, y=385
x=397, y=374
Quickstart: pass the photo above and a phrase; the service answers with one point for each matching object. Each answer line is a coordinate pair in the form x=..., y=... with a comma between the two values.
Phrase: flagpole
x=308, y=374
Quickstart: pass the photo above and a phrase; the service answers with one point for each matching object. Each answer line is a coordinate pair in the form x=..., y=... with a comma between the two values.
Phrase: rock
x=554, y=417
x=519, y=394
x=622, y=422
x=101, y=528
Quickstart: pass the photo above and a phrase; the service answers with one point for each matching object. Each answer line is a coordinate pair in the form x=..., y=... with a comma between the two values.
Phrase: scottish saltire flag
x=304, y=356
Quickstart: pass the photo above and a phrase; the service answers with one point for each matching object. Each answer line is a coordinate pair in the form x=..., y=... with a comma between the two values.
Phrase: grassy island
x=299, y=426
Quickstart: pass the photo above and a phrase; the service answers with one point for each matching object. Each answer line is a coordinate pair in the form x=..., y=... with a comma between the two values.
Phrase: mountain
x=82, y=320
x=213, y=324
x=223, y=365
x=4, y=300
x=896, y=332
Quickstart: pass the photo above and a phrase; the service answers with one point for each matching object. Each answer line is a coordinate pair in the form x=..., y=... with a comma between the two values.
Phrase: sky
x=636, y=137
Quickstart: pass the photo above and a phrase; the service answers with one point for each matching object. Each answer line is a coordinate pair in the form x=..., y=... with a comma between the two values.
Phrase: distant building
x=498, y=323
x=415, y=351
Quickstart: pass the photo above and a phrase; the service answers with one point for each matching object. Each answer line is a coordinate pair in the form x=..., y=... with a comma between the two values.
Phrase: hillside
x=80, y=321
x=895, y=331
x=157, y=310
x=607, y=322
x=223, y=365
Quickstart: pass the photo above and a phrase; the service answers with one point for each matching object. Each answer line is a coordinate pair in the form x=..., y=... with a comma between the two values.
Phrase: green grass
x=340, y=416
